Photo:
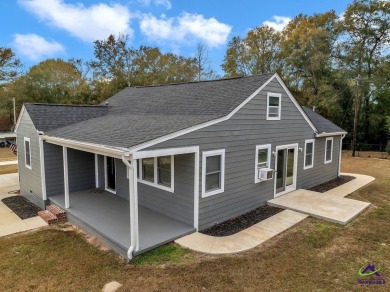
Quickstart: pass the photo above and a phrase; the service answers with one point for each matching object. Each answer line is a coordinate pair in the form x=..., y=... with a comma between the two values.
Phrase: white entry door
x=286, y=169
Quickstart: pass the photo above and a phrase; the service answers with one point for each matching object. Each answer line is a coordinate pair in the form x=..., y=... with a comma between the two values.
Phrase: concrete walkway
x=10, y=222
x=338, y=209
x=12, y=162
x=243, y=240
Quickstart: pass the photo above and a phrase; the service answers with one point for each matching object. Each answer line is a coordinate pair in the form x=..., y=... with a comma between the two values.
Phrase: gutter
x=133, y=209
x=324, y=134
x=88, y=147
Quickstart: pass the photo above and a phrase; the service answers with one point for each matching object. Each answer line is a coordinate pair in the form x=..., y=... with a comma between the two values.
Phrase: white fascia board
x=202, y=125
x=88, y=147
x=330, y=134
x=165, y=152
x=295, y=102
x=19, y=118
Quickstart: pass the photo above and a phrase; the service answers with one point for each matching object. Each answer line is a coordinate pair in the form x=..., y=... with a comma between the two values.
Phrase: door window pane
x=290, y=167
x=164, y=170
x=280, y=170
x=148, y=169
x=111, y=183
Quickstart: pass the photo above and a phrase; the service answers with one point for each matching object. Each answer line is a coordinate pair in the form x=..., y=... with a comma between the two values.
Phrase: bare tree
x=203, y=63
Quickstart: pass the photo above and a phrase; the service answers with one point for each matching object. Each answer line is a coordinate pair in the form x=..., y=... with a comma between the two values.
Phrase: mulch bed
x=324, y=187
x=242, y=222
x=21, y=207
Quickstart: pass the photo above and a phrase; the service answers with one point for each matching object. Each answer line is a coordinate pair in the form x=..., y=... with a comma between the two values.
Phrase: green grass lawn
x=312, y=256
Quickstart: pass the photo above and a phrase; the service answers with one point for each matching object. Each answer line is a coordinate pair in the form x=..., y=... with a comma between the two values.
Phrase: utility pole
x=355, y=118
x=13, y=100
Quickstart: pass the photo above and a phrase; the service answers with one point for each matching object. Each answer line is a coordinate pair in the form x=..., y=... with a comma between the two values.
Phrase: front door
x=110, y=174
x=286, y=168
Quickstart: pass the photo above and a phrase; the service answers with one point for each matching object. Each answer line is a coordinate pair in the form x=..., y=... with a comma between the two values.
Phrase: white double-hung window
x=274, y=106
x=27, y=152
x=213, y=172
x=262, y=159
x=309, y=154
x=328, y=150
x=158, y=172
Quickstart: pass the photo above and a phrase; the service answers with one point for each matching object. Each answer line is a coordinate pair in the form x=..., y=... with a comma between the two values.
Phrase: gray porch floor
x=109, y=215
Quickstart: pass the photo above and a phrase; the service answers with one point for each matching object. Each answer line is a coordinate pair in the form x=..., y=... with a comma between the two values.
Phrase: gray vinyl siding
x=81, y=170
x=30, y=179
x=320, y=172
x=180, y=204
x=239, y=136
x=122, y=182
x=54, y=169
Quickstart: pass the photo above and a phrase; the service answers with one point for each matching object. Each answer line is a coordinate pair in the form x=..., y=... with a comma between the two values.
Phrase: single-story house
x=154, y=163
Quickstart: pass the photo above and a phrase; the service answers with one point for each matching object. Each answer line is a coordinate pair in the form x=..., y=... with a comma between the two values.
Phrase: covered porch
x=110, y=195
x=109, y=215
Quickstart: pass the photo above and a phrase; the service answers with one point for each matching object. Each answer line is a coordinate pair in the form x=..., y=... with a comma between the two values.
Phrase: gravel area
x=242, y=222
x=22, y=207
x=324, y=187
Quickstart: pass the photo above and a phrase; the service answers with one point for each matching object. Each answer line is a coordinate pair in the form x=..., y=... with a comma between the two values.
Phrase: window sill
x=273, y=119
x=327, y=162
x=29, y=167
x=308, y=167
x=212, y=193
x=165, y=188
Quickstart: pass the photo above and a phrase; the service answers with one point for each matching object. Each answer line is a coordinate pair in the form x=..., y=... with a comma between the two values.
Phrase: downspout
x=341, y=147
x=133, y=234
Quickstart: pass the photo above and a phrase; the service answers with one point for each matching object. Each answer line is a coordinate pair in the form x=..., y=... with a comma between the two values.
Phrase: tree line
x=327, y=60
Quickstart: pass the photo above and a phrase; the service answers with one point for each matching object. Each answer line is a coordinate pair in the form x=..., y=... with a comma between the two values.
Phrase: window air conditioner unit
x=266, y=174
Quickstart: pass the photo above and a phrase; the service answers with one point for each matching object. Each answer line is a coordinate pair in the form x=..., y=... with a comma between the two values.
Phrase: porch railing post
x=66, y=176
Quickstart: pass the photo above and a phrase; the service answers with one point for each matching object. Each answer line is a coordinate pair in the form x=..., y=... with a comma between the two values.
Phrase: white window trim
x=206, y=154
x=260, y=147
x=155, y=183
x=331, y=150
x=105, y=177
x=25, y=153
x=280, y=106
x=304, y=156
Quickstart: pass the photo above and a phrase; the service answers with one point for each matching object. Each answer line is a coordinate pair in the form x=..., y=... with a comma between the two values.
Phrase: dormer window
x=274, y=106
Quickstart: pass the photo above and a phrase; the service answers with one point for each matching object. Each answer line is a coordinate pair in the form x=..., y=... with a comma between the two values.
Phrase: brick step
x=57, y=211
x=48, y=216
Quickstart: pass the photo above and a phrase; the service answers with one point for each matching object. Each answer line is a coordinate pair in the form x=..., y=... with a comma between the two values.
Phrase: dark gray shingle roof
x=322, y=124
x=47, y=117
x=140, y=114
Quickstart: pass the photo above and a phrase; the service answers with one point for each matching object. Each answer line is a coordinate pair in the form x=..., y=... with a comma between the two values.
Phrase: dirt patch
x=334, y=183
x=242, y=222
x=22, y=207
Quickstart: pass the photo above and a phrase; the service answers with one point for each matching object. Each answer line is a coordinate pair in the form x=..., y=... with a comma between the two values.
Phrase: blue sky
x=40, y=29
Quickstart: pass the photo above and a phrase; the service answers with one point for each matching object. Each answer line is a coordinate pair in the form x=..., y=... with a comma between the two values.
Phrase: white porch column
x=96, y=171
x=66, y=176
x=135, y=194
x=42, y=162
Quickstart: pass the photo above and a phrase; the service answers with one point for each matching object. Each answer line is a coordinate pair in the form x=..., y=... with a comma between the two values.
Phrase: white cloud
x=166, y=3
x=279, y=22
x=35, y=47
x=187, y=27
x=95, y=22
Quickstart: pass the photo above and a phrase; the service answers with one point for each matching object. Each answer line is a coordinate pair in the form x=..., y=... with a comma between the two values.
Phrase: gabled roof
x=47, y=117
x=140, y=114
x=323, y=125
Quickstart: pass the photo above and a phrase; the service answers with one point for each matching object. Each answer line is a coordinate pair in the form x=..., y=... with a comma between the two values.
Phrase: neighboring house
x=154, y=163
